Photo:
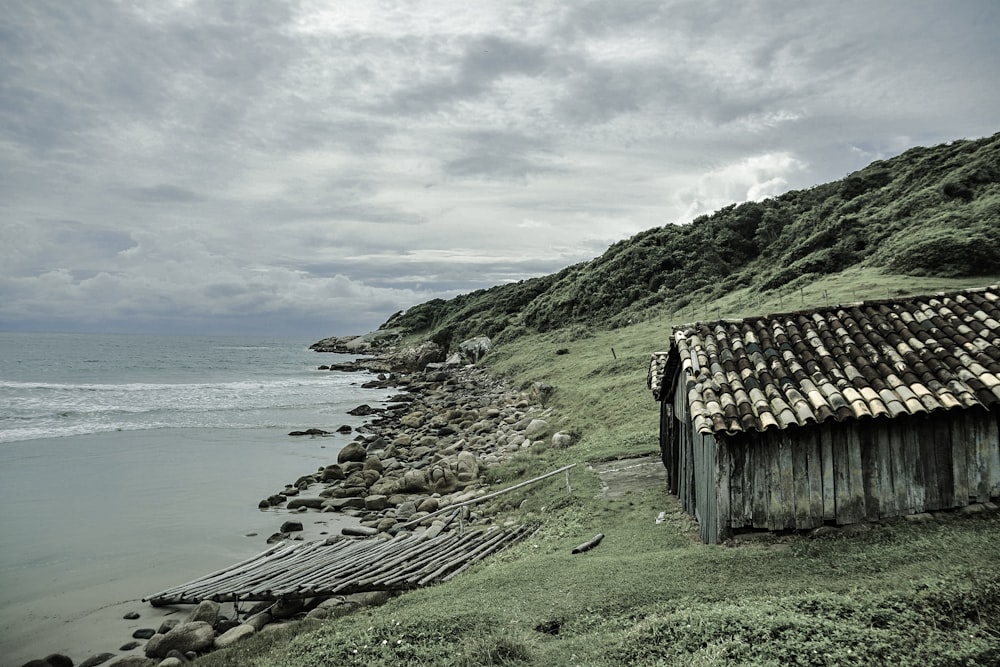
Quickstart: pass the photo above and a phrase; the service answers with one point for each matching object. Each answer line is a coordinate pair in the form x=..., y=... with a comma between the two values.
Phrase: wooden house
x=837, y=415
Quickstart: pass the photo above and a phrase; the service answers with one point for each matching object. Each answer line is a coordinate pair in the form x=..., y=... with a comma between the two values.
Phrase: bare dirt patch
x=623, y=476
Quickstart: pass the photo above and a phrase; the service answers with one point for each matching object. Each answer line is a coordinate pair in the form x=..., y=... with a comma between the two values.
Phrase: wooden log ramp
x=340, y=566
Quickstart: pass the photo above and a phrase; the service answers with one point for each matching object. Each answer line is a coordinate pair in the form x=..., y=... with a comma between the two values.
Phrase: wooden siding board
x=774, y=491
x=710, y=463
x=828, y=474
x=849, y=487
x=913, y=465
x=928, y=463
x=738, y=516
x=856, y=511
x=900, y=473
x=977, y=456
x=724, y=473
x=787, y=476
x=761, y=480
x=886, y=488
x=814, y=459
x=992, y=444
x=944, y=464
x=689, y=473
x=960, y=458
x=870, y=464
x=666, y=431
x=800, y=479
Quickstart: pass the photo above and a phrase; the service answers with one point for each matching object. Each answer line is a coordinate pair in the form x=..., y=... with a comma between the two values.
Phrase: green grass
x=652, y=594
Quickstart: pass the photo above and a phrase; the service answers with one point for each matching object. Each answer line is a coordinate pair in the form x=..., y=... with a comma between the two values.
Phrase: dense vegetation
x=928, y=212
x=901, y=593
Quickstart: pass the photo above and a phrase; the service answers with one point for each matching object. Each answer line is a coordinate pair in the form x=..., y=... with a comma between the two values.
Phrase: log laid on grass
x=589, y=544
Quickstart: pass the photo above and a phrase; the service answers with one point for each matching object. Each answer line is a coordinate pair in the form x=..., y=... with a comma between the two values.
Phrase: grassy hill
x=652, y=594
x=928, y=212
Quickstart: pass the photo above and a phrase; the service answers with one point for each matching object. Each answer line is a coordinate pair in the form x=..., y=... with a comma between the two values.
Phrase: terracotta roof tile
x=874, y=359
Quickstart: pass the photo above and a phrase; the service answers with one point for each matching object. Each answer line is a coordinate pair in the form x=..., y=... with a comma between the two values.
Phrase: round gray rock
x=194, y=636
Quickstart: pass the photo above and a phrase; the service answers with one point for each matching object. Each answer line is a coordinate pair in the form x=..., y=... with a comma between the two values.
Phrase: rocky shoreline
x=427, y=449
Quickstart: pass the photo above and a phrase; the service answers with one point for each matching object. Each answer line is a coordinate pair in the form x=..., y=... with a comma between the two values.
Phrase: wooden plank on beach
x=343, y=565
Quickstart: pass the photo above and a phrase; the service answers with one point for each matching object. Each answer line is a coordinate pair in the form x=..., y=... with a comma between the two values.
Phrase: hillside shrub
x=947, y=253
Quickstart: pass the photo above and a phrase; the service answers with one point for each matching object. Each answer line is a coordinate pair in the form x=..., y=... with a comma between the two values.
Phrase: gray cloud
x=255, y=166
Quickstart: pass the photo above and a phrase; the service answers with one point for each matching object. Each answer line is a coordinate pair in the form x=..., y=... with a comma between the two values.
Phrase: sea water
x=130, y=464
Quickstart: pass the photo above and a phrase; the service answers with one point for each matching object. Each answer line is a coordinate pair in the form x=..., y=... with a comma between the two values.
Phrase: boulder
x=414, y=481
x=333, y=473
x=144, y=633
x=172, y=661
x=376, y=503
x=285, y=609
x=374, y=463
x=416, y=358
x=312, y=503
x=224, y=625
x=133, y=661
x=206, y=611
x=258, y=621
x=362, y=410
x=443, y=479
x=344, y=428
x=406, y=510
x=412, y=420
x=53, y=660
x=466, y=466
x=304, y=482
x=340, y=504
x=310, y=431
x=562, y=440
x=352, y=451
x=385, y=525
x=194, y=636
x=428, y=505
x=230, y=637
x=540, y=392
x=167, y=625
x=291, y=526
x=358, y=531
x=474, y=349
x=535, y=427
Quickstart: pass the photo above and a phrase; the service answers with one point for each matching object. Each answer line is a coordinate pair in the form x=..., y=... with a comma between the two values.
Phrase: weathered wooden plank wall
x=846, y=472
x=697, y=471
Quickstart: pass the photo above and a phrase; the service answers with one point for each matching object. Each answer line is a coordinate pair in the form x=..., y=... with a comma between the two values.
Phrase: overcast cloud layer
x=308, y=168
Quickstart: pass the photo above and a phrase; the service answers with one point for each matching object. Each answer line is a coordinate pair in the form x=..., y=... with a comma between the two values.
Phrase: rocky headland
x=426, y=449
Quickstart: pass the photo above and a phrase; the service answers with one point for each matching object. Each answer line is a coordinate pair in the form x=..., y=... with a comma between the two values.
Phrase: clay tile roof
x=874, y=359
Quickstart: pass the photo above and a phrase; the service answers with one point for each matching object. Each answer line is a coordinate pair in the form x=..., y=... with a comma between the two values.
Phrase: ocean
x=130, y=464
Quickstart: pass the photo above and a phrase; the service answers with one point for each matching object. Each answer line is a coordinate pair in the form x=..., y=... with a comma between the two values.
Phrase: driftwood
x=589, y=544
x=490, y=496
x=342, y=566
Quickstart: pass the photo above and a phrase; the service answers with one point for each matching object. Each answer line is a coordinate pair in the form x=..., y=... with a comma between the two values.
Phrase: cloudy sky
x=307, y=167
